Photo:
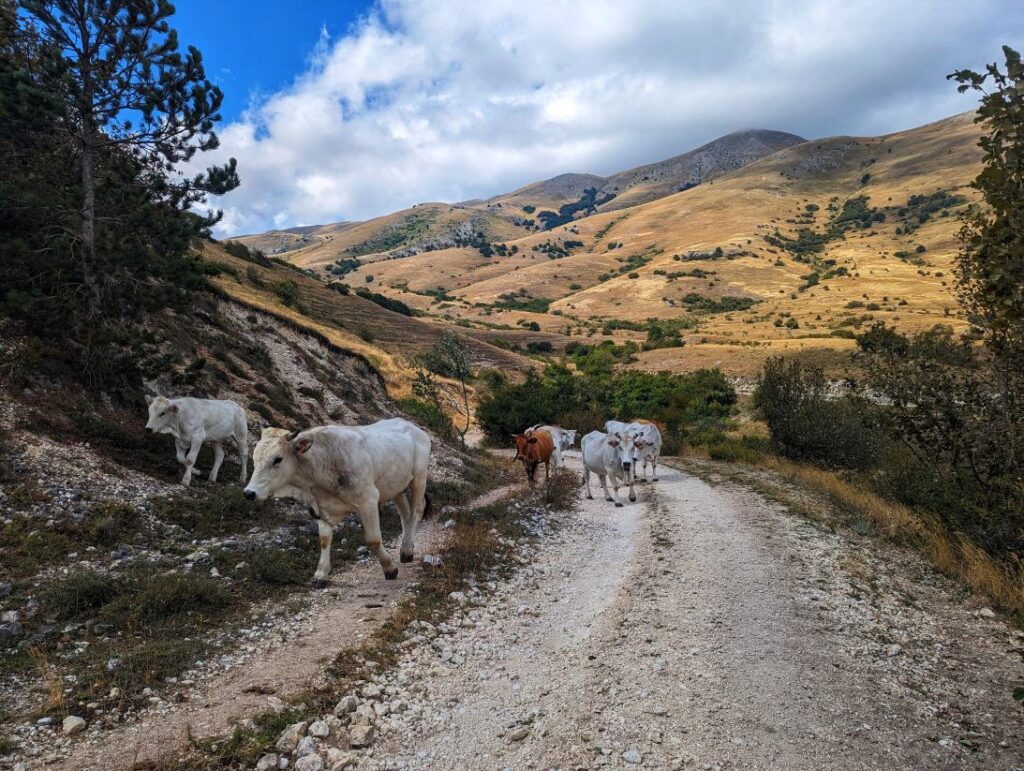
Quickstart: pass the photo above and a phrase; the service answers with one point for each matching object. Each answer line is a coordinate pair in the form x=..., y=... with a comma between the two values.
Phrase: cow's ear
x=613, y=442
x=532, y=440
x=174, y=408
x=301, y=446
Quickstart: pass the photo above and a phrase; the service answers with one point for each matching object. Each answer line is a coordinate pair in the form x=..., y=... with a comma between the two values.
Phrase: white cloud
x=447, y=100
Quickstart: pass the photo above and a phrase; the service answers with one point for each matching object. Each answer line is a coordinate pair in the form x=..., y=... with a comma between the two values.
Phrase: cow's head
x=274, y=461
x=570, y=437
x=523, y=443
x=163, y=416
x=625, y=448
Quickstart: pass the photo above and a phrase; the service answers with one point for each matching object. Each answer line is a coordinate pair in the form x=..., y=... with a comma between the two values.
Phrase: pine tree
x=126, y=86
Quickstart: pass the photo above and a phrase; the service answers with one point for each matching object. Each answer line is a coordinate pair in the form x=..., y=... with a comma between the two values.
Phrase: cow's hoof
x=618, y=505
x=391, y=575
x=405, y=557
x=319, y=583
x=590, y=497
x=632, y=499
x=655, y=479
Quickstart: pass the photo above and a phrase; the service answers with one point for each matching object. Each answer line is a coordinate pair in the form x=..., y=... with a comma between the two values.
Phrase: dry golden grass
x=952, y=553
x=734, y=212
x=54, y=684
x=388, y=341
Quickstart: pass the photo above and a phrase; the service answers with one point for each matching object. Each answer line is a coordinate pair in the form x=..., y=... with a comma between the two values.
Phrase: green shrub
x=428, y=415
x=806, y=423
x=112, y=523
x=681, y=403
x=385, y=302
x=288, y=292
x=160, y=596
x=275, y=566
x=80, y=592
x=215, y=510
x=561, y=490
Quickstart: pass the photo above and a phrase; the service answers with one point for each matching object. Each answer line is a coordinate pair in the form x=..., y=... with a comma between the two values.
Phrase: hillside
x=432, y=226
x=792, y=252
x=386, y=339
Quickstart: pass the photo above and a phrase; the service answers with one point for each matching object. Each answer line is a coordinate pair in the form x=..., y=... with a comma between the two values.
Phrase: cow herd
x=616, y=454
x=336, y=470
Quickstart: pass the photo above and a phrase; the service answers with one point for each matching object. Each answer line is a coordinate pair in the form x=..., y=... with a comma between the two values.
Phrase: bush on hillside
x=808, y=423
x=683, y=404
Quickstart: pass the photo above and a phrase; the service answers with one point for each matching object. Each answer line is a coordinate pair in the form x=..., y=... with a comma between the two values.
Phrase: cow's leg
x=547, y=470
x=643, y=470
x=190, y=459
x=323, y=567
x=654, y=468
x=615, y=490
x=586, y=482
x=181, y=449
x=629, y=480
x=418, y=495
x=242, y=440
x=405, y=511
x=604, y=484
x=369, y=515
x=218, y=458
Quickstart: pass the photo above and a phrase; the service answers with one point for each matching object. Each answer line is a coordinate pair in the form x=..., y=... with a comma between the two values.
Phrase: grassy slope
x=386, y=339
x=736, y=212
x=327, y=243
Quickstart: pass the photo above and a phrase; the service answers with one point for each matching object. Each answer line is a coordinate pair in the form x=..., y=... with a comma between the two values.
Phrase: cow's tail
x=428, y=507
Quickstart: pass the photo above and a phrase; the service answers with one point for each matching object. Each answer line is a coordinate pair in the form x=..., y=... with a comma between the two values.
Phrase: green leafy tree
x=991, y=264
x=449, y=357
x=125, y=85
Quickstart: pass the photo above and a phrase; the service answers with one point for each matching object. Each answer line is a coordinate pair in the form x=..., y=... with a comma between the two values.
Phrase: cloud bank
x=427, y=100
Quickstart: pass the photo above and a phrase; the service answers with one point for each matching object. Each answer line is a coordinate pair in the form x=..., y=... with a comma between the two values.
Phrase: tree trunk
x=88, y=229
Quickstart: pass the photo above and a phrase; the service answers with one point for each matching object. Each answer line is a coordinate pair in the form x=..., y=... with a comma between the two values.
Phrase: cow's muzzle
x=626, y=466
x=250, y=495
x=149, y=430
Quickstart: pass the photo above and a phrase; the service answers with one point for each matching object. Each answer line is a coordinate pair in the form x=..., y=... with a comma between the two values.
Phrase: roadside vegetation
x=927, y=443
x=691, y=408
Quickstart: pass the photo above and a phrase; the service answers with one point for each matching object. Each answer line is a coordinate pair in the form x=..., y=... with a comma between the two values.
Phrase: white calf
x=608, y=456
x=194, y=421
x=341, y=469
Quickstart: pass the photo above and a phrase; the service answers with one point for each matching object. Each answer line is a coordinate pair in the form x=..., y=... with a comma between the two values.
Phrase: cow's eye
x=163, y=413
x=277, y=461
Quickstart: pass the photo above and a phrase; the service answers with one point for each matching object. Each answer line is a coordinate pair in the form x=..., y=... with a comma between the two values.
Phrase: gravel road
x=705, y=627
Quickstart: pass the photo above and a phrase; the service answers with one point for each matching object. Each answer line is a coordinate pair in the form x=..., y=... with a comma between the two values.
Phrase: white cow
x=564, y=438
x=647, y=439
x=608, y=455
x=194, y=421
x=341, y=469
x=560, y=438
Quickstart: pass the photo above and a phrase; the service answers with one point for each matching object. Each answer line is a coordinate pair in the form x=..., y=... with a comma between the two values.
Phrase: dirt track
x=700, y=627
x=704, y=627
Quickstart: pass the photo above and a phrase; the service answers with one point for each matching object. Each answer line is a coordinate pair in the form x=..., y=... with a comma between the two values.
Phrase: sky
x=345, y=111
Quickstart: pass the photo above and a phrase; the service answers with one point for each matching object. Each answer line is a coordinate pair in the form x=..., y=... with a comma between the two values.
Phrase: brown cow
x=533, y=448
